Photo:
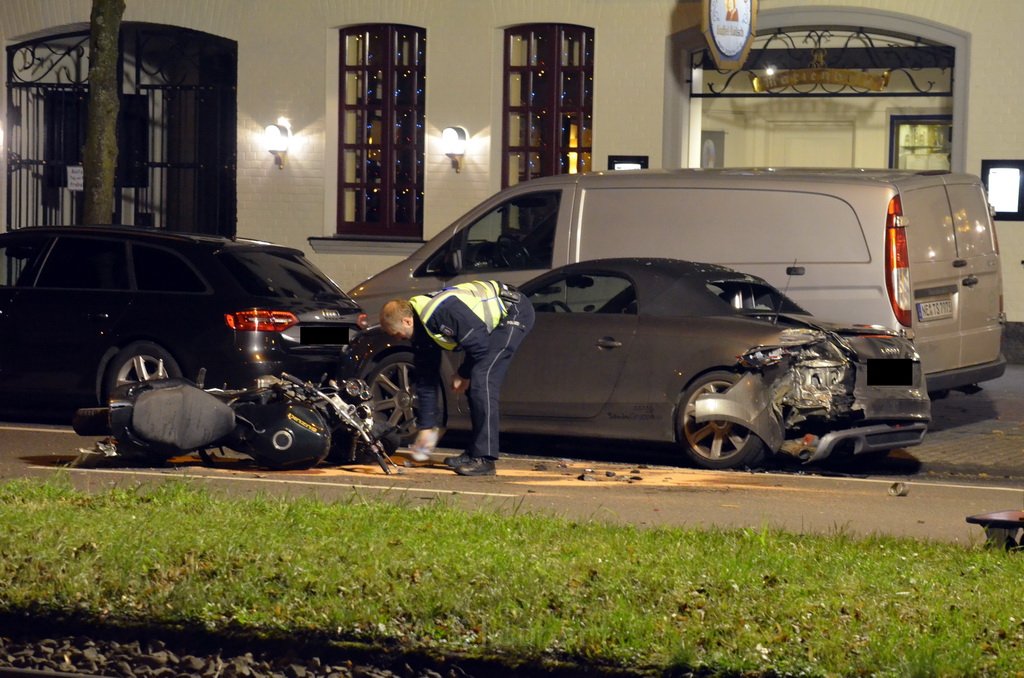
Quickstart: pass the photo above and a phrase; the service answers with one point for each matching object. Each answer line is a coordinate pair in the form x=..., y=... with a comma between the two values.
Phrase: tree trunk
x=99, y=158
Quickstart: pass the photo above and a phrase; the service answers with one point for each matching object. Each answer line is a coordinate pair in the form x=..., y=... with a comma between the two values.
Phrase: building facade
x=364, y=88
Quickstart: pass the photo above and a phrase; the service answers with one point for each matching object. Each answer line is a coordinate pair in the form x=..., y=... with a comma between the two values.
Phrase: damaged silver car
x=719, y=363
x=852, y=389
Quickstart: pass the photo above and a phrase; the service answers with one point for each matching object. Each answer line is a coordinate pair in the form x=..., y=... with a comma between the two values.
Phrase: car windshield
x=749, y=297
x=281, y=274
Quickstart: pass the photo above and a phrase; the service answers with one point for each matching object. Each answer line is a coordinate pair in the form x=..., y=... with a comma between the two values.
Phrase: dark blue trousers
x=488, y=374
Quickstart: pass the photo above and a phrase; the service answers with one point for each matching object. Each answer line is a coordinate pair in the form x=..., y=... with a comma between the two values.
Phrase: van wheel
x=393, y=395
x=138, y=361
x=715, y=444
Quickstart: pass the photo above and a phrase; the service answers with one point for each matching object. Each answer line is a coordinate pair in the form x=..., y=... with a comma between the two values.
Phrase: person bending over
x=486, y=320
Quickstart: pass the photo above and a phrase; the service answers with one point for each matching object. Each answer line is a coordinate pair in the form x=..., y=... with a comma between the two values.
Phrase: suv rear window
x=273, y=274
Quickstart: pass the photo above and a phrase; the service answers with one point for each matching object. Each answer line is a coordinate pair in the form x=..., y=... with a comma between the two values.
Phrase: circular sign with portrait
x=729, y=27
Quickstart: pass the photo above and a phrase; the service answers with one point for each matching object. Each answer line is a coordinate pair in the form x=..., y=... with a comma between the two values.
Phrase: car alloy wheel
x=715, y=444
x=139, y=361
x=393, y=396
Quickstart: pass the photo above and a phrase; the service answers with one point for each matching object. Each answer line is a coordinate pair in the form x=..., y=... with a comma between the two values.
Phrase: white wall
x=994, y=129
x=859, y=127
x=287, y=67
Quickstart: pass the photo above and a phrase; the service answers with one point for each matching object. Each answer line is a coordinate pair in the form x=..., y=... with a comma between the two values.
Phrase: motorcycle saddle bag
x=181, y=416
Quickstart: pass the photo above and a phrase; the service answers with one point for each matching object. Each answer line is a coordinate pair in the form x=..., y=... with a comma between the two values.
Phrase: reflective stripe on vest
x=480, y=296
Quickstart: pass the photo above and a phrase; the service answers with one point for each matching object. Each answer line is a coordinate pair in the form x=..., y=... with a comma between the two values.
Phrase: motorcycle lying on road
x=280, y=423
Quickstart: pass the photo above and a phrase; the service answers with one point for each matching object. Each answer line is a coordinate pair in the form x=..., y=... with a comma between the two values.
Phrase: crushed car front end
x=822, y=389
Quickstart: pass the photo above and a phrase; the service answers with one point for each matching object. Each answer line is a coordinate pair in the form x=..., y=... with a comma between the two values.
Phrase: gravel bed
x=58, y=649
x=154, y=658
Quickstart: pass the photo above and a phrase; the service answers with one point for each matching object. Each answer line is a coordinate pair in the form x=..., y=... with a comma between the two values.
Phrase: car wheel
x=393, y=395
x=715, y=444
x=139, y=361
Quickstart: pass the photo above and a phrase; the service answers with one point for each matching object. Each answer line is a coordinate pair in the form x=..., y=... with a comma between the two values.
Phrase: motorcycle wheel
x=341, y=450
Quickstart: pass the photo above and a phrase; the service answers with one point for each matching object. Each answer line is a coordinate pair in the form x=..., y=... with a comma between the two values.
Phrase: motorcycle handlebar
x=295, y=380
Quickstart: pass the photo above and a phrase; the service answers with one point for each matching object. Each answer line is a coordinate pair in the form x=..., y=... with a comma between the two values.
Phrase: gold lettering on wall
x=821, y=76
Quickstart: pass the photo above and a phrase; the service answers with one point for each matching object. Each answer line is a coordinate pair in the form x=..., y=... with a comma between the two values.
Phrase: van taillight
x=260, y=321
x=897, y=263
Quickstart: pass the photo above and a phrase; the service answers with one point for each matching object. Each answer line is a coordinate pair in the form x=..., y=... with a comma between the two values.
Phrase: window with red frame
x=548, y=101
x=381, y=135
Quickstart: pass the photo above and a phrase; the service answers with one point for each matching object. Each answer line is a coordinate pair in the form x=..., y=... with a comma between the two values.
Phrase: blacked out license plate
x=890, y=372
x=323, y=335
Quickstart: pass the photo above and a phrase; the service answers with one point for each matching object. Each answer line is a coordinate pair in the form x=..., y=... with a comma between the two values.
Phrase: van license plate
x=935, y=310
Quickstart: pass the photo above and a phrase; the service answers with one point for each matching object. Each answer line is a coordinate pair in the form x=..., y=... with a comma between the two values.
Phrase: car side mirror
x=452, y=263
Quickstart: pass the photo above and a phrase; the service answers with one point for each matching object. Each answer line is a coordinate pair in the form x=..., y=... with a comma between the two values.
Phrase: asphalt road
x=972, y=462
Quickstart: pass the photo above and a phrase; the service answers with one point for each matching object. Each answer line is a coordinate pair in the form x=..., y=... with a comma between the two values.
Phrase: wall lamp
x=453, y=143
x=277, y=137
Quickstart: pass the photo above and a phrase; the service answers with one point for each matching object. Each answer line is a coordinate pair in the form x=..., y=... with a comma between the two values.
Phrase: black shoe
x=477, y=466
x=455, y=461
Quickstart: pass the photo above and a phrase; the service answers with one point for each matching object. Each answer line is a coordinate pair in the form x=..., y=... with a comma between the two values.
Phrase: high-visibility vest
x=481, y=296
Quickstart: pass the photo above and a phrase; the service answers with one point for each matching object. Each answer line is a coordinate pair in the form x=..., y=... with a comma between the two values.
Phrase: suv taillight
x=897, y=263
x=260, y=321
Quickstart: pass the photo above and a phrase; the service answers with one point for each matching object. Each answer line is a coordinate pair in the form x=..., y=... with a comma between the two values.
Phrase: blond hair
x=392, y=313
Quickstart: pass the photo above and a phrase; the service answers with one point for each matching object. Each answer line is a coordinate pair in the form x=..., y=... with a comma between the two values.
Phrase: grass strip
x=528, y=586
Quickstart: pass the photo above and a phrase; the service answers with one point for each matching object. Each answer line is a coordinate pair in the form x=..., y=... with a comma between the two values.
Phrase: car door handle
x=959, y=263
x=97, y=316
x=608, y=342
x=971, y=281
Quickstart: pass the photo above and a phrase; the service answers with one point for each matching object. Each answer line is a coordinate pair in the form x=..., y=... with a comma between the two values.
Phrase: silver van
x=911, y=251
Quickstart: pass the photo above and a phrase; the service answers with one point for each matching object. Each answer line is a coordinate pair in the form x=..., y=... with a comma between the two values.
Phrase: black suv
x=84, y=308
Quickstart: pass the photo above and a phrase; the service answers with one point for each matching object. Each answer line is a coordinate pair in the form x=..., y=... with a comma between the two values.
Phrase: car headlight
x=762, y=357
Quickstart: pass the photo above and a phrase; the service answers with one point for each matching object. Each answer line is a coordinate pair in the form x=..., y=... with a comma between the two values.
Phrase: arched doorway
x=177, y=129
x=866, y=133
